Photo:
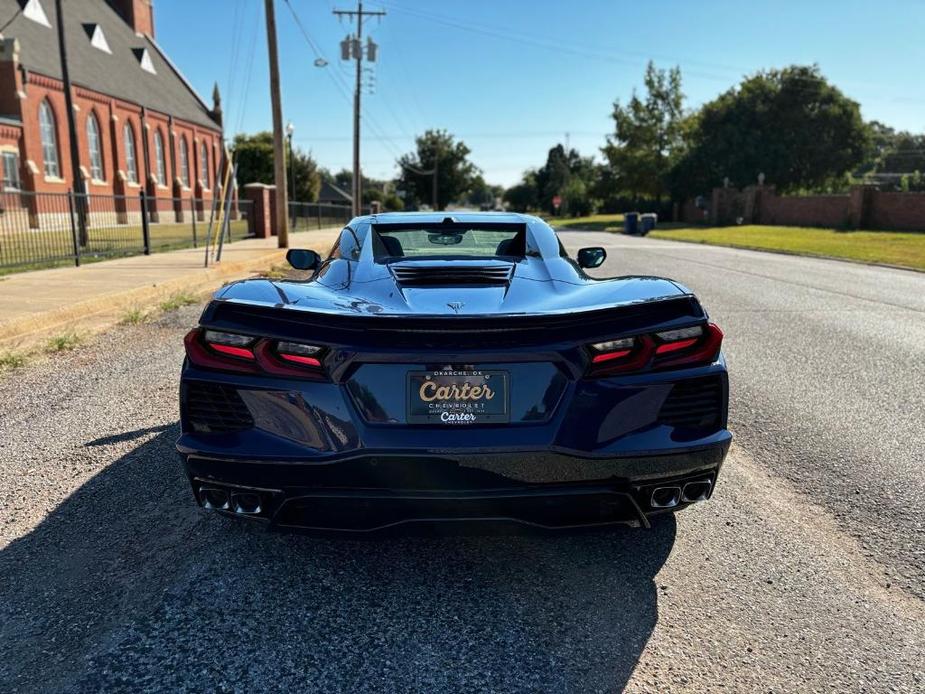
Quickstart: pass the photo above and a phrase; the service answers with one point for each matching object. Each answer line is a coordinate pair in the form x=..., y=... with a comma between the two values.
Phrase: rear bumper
x=544, y=489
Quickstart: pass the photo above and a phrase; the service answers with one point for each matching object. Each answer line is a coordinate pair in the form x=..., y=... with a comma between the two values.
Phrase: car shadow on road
x=126, y=583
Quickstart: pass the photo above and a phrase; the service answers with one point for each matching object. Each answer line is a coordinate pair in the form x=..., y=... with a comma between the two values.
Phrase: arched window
x=184, y=162
x=96, y=148
x=204, y=164
x=159, y=158
x=131, y=162
x=49, y=140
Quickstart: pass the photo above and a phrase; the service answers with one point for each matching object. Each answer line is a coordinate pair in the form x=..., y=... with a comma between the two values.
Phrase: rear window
x=442, y=240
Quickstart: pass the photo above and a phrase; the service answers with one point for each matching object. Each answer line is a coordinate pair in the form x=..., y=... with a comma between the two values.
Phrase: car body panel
x=344, y=429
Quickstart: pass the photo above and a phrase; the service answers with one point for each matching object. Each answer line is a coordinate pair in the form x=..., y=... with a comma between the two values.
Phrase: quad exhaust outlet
x=665, y=497
x=682, y=493
x=243, y=503
x=696, y=491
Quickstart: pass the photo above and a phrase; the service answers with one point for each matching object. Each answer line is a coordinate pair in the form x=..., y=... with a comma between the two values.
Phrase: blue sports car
x=448, y=367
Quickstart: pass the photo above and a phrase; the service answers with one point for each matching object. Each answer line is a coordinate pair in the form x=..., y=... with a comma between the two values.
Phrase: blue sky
x=512, y=77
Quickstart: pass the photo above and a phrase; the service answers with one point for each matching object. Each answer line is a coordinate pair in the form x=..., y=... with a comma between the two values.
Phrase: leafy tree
x=523, y=196
x=790, y=124
x=905, y=155
x=648, y=135
x=307, y=176
x=254, y=155
x=455, y=173
x=576, y=198
x=482, y=193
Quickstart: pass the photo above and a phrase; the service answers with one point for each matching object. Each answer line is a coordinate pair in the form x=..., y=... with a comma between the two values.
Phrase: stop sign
x=556, y=201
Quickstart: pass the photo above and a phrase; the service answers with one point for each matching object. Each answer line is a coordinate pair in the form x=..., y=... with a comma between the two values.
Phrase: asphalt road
x=803, y=573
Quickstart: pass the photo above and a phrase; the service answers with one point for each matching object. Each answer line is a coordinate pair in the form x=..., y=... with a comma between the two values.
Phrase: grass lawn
x=594, y=222
x=890, y=247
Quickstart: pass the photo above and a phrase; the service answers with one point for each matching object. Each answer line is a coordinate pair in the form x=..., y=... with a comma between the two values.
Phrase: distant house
x=139, y=122
x=330, y=194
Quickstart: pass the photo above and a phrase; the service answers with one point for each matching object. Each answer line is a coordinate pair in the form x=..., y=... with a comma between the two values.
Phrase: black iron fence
x=48, y=229
x=304, y=216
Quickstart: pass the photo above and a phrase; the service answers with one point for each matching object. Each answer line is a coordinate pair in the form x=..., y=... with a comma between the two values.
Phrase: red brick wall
x=864, y=208
x=901, y=211
x=810, y=210
x=112, y=115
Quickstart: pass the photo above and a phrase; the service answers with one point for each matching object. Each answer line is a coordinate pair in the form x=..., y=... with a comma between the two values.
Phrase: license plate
x=458, y=397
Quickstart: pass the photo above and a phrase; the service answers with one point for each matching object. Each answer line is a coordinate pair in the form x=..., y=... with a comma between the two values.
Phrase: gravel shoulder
x=111, y=579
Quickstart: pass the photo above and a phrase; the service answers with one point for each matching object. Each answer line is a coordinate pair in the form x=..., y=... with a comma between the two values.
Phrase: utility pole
x=78, y=180
x=279, y=156
x=354, y=48
x=290, y=128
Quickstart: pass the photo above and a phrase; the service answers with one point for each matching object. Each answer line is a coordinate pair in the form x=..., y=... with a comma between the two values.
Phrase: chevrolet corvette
x=447, y=368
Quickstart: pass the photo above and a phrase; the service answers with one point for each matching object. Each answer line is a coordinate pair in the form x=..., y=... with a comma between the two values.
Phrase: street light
x=290, y=128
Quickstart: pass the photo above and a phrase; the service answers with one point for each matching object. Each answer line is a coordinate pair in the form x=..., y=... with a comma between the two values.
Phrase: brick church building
x=139, y=122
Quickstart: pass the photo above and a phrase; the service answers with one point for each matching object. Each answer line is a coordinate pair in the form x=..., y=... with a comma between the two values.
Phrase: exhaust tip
x=246, y=503
x=214, y=499
x=665, y=497
x=696, y=491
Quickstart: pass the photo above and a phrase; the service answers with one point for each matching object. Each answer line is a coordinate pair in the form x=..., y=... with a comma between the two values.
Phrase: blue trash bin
x=648, y=222
x=631, y=223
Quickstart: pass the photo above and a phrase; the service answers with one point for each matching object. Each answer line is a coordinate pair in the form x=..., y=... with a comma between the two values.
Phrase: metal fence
x=304, y=216
x=48, y=229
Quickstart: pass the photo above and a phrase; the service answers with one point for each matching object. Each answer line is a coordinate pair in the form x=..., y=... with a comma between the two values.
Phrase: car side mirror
x=303, y=259
x=592, y=257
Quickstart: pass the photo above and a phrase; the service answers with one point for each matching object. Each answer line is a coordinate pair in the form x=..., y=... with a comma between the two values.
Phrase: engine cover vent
x=446, y=275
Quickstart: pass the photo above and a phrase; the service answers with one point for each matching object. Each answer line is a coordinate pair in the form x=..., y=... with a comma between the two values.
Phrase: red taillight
x=681, y=347
x=240, y=352
x=598, y=358
x=299, y=359
x=248, y=354
x=675, y=346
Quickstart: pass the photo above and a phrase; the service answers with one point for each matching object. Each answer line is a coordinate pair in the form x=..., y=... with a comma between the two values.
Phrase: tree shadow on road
x=128, y=584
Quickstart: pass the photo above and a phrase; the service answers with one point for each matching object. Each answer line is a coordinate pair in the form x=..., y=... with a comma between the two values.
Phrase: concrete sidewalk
x=35, y=305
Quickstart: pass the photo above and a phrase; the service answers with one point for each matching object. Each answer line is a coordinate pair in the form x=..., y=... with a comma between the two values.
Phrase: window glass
x=11, y=181
x=49, y=140
x=96, y=148
x=184, y=162
x=204, y=165
x=131, y=162
x=477, y=241
x=159, y=158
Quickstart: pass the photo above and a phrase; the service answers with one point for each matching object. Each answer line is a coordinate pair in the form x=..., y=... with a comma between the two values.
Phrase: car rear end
x=364, y=422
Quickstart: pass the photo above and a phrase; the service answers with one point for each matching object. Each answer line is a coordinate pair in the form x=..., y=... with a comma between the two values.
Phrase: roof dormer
x=144, y=59
x=33, y=10
x=97, y=37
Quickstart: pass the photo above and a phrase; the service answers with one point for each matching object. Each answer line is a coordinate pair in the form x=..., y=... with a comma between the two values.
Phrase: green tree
x=523, y=196
x=791, y=125
x=905, y=155
x=455, y=173
x=576, y=198
x=254, y=156
x=648, y=135
x=307, y=176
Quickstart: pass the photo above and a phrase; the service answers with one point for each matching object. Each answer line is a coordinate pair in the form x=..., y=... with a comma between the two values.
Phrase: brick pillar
x=260, y=217
x=858, y=206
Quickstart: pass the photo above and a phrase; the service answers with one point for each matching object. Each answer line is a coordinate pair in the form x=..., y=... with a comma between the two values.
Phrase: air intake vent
x=695, y=404
x=452, y=275
x=212, y=407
